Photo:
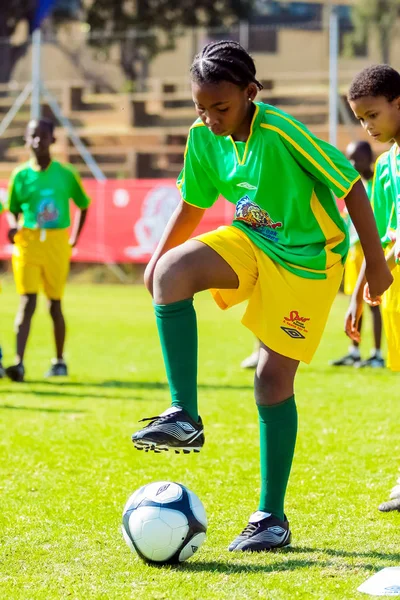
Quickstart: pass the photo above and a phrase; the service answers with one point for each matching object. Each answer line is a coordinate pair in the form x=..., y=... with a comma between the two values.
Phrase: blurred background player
x=374, y=97
x=40, y=191
x=361, y=156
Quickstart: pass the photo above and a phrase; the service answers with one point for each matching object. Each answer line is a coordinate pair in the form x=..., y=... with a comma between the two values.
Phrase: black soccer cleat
x=16, y=372
x=174, y=429
x=376, y=362
x=263, y=533
x=349, y=360
x=58, y=369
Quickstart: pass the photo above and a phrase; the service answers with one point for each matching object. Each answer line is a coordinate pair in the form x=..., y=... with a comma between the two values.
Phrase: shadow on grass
x=41, y=409
x=53, y=393
x=141, y=385
x=374, y=561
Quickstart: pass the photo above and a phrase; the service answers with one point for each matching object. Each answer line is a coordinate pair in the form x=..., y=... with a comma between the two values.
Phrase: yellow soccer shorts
x=41, y=257
x=286, y=312
x=352, y=268
x=391, y=320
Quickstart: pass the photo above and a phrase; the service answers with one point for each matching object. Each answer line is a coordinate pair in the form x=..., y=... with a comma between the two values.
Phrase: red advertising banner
x=126, y=219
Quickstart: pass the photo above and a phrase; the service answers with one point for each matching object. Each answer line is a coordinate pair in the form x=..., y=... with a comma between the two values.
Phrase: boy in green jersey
x=374, y=97
x=284, y=253
x=361, y=157
x=40, y=191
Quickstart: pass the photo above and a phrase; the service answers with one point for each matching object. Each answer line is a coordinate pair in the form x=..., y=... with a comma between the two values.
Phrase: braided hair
x=224, y=61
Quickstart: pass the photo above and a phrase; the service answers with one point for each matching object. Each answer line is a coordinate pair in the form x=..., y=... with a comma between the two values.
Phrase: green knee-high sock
x=278, y=430
x=177, y=328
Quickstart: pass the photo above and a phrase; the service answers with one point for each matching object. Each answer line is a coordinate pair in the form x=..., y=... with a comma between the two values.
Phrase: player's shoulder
x=199, y=131
x=20, y=170
x=65, y=167
x=382, y=162
x=383, y=158
x=279, y=119
x=199, y=137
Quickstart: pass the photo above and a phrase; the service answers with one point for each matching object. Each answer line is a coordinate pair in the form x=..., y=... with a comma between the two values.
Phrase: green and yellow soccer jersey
x=43, y=196
x=386, y=194
x=353, y=235
x=283, y=181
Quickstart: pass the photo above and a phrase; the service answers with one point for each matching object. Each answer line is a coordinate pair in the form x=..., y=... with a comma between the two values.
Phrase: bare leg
x=27, y=307
x=58, y=326
x=377, y=325
x=188, y=269
x=274, y=378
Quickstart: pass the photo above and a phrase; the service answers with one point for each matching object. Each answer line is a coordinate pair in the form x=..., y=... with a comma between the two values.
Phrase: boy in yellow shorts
x=283, y=253
x=374, y=97
x=361, y=157
x=40, y=191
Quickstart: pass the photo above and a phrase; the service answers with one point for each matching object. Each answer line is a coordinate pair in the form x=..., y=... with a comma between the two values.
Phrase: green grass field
x=67, y=464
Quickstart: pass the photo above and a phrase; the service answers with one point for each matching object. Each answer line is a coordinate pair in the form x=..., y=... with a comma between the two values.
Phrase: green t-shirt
x=282, y=181
x=43, y=196
x=386, y=194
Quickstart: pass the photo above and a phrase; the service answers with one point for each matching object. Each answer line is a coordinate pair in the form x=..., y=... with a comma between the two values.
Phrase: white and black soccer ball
x=164, y=522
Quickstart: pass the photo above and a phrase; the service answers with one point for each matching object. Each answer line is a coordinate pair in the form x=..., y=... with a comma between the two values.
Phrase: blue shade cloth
x=43, y=7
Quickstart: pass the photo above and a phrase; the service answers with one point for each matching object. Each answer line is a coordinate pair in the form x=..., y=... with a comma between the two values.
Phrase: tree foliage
x=147, y=27
x=143, y=27
x=375, y=16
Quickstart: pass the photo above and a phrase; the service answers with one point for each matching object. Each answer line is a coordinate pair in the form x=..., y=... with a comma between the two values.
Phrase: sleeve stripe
x=308, y=157
x=310, y=139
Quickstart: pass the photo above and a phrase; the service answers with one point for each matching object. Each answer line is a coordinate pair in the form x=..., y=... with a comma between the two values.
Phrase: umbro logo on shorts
x=247, y=186
x=293, y=333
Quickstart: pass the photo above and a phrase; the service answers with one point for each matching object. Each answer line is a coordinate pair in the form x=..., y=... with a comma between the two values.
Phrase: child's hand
x=379, y=280
x=11, y=234
x=397, y=252
x=352, y=321
x=367, y=297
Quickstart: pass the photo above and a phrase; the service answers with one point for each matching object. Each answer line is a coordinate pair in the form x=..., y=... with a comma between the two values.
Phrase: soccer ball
x=164, y=522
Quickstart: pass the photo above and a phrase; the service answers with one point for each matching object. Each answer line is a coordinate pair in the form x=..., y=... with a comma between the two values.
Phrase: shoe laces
x=249, y=530
x=158, y=418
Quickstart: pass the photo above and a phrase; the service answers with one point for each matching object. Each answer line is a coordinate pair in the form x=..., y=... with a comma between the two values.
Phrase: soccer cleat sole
x=283, y=546
x=158, y=449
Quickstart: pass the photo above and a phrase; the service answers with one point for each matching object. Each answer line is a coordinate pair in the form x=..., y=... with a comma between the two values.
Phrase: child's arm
x=180, y=227
x=79, y=222
x=361, y=293
x=376, y=269
x=12, y=219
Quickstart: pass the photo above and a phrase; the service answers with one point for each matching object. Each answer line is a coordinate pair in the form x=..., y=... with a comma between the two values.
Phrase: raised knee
x=170, y=269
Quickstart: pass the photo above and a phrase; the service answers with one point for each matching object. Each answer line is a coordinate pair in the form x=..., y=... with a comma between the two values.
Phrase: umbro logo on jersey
x=247, y=186
x=293, y=333
x=185, y=426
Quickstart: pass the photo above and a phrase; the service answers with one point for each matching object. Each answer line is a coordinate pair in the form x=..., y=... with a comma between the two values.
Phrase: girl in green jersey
x=284, y=253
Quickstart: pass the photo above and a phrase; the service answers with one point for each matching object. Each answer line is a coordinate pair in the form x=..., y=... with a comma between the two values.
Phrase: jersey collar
x=253, y=126
x=36, y=167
